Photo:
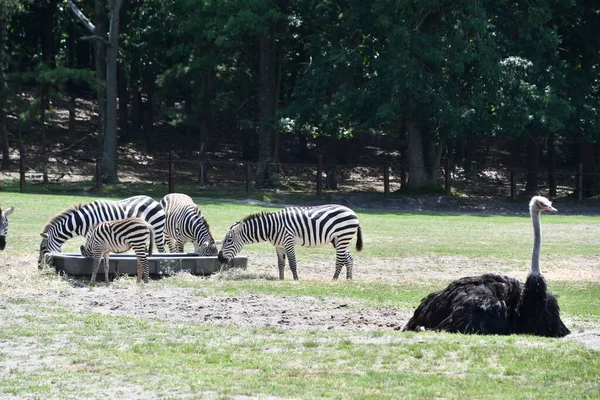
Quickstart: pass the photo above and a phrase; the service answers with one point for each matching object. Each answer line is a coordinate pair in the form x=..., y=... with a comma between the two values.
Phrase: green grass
x=88, y=354
x=387, y=235
x=49, y=351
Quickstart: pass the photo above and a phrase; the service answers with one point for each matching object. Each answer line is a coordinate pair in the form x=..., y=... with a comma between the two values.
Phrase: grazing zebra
x=291, y=226
x=185, y=223
x=119, y=236
x=79, y=220
x=4, y=225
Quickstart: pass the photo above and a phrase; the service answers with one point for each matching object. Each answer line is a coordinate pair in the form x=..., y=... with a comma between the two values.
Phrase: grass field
x=244, y=334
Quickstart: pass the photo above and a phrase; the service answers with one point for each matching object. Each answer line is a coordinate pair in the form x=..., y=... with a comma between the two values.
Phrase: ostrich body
x=496, y=304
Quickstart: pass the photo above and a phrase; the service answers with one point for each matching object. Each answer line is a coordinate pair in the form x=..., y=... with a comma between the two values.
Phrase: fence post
x=247, y=165
x=513, y=185
x=447, y=176
x=580, y=183
x=386, y=179
x=319, y=173
x=172, y=171
x=22, y=167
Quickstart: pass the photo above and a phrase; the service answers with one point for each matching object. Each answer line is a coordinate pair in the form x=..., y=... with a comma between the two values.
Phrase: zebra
x=184, y=223
x=291, y=226
x=80, y=219
x=4, y=225
x=119, y=236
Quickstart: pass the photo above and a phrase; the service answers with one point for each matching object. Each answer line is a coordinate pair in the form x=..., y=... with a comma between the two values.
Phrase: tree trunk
x=417, y=177
x=100, y=47
x=533, y=159
x=148, y=113
x=302, y=152
x=43, y=145
x=136, y=115
x=72, y=63
x=3, y=99
x=46, y=19
x=424, y=154
x=207, y=120
x=123, y=103
x=109, y=151
x=551, y=166
x=248, y=135
x=331, y=161
x=588, y=159
x=266, y=107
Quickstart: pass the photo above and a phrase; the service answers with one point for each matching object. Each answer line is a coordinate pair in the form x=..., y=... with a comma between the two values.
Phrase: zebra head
x=85, y=250
x=47, y=246
x=4, y=226
x=232, y=244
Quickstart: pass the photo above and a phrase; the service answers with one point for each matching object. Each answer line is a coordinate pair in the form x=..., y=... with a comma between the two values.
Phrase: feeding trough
x=160, y=264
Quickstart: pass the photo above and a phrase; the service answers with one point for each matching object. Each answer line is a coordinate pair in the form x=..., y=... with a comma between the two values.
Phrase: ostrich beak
x=550, y=208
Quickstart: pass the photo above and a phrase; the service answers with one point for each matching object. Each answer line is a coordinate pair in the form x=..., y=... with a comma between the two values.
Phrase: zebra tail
x=151, y=241
x=359, y=244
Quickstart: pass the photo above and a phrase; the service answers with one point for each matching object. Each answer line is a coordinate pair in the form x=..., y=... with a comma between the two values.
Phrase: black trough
x=160, y=264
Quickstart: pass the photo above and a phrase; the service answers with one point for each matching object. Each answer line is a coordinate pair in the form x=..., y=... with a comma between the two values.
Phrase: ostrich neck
x=537, y=243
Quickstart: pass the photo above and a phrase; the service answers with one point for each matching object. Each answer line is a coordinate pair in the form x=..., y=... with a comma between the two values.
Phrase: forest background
x=507, y=83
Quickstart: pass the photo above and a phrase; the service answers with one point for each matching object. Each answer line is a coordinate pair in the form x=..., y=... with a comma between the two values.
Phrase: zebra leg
x=95, y=268
x=291, y=254
x=340, y=259
x=143, y=270
x=159, y=238
x=280, y=261
x=172, y=244
x=146, y=269
x=106, y=266
x=349, y=265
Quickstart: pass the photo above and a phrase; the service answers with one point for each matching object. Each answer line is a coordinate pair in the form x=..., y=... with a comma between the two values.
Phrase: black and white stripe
x=185, y=223
x=4, y=225
x=304, y=226
x=118, y=237
x=79, y=220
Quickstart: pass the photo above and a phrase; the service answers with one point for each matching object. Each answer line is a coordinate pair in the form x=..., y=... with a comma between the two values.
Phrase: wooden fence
x=178, y=173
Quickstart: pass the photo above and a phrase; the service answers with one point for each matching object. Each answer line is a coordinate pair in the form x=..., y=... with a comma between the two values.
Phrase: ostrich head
x=539, y=204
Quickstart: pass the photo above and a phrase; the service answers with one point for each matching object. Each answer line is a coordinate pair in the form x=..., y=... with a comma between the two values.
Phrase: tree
x=111, y=39
x=8, y=8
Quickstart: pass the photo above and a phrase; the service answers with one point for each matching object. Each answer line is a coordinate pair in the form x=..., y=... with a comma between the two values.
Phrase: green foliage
x=465, y=70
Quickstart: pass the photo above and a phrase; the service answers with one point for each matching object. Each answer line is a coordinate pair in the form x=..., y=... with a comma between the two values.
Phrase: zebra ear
x=44, y=235
x=9, y=211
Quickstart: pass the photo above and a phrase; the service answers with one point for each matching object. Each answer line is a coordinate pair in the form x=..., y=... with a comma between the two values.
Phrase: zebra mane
x=255, y=216
x=207, y=226
x=61, y=216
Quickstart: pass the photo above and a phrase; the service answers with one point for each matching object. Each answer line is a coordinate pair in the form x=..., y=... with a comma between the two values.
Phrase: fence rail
x=193, y=175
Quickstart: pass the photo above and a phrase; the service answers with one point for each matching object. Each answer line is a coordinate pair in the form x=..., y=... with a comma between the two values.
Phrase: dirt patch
x=181, y=305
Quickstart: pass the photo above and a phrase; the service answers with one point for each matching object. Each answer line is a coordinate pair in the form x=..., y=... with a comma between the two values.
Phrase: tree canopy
x=438, y=78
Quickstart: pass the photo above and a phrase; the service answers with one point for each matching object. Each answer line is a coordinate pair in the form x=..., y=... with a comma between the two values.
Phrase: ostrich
x=493, y=304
